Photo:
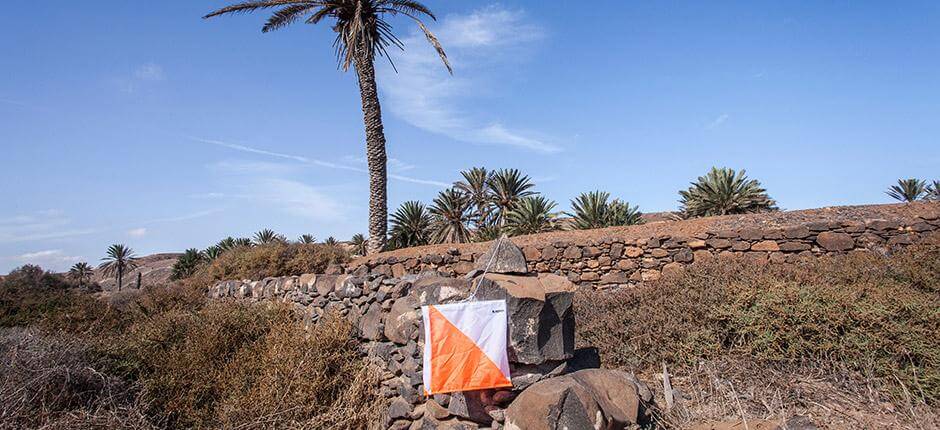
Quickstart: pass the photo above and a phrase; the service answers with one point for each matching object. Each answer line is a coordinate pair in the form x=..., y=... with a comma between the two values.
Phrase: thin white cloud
x=423, y=94
x=717, y=121
x=50, y=259
x=298, y=198
x=137, y=232
x=40, y=225
x=150, y=72
x=301, y=159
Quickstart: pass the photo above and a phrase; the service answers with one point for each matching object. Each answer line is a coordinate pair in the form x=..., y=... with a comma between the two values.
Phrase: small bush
x=870, y=314
x=275, y=259
x=29, y=294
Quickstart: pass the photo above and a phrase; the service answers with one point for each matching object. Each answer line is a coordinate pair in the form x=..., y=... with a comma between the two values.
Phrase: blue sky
x=138, y=122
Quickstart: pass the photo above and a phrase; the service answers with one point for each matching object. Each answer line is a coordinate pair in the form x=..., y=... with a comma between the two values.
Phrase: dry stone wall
x=613, y=261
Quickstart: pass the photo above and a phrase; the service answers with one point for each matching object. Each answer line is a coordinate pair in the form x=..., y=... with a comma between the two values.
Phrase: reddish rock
x=626, y=265
x=796, y=232
x=616, y=250
x=615, y=278
x=740, y=245
x=531, y=253
x=398, y=270
x=701, y=256
x=765, y=246
x=751, y=234
x=650, y=275
x=572, y=252
x=835, y=241
x=632, y=251
x=590, y=276
x=549, y=252
x=697, y=244
x=590, y=252
x=794, y=246
x=719, y=243
x=659, y=253
x=672, y=269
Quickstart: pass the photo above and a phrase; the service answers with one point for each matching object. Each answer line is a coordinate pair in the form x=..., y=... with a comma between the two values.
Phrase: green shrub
x=29, y=294
x=870, y=314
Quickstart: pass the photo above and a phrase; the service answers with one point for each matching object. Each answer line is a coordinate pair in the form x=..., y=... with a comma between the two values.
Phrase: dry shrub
x=29, y=294
x=872, y=315
x=298, y=378
x=279, y=259
x=49, y=381
x=239, y=365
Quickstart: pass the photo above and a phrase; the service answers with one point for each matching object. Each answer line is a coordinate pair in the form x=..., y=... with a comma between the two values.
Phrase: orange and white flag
x=465, y=347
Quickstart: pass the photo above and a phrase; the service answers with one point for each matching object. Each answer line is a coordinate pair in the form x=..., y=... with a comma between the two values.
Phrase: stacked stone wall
x=612, y=261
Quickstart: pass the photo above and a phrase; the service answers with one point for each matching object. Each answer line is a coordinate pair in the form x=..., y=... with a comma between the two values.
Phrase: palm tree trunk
x=375, y=153
x=120, y=278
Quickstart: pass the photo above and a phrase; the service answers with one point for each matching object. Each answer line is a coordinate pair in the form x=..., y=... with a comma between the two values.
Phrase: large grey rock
x=401, y=321
x=370, y=325
x=541, y=315
x=502, y=257
x=593, y=398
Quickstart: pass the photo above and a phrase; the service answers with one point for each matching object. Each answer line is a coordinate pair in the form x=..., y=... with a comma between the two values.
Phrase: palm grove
x=485, y=203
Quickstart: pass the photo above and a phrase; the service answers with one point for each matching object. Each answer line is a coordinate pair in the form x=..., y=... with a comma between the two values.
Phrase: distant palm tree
x=531, y=215
x=81, y=273
x=723, y=192
x=933, y=192
x=119, y=261
x=187, y=264
x=410, y=225
x=307, y=239
x=268, y=237
x=590, y=210
x=475, y=185
x=212, y=252
x=908, y=190
x=359, y=244
x=451, y=216
x=362, y=33
x=487, y=232
x=331, y=241
x=621, y=213
x=507, y=186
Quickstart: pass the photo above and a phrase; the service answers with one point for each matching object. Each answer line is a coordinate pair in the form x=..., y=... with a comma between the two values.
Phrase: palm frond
x=451, y=217
x=533, y=214
x=908, y=190
x=723, y=192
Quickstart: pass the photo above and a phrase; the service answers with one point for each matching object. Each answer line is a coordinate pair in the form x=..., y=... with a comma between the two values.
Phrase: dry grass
x=279, y=259
x=167, y=358
x=859, y=330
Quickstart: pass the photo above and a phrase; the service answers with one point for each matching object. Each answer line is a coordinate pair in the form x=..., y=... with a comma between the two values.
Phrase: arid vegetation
x=861, y=322
x=166, y=358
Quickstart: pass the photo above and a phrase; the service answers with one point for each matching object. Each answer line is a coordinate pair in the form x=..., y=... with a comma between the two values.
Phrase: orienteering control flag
x=465, y=347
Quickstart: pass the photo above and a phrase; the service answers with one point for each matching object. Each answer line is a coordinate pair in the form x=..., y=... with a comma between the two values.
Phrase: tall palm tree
x=531, y=215
x=506, y=187
x=410, y=225
x=119, y=261
x=306, y=239
x=908, y=190
x=451, y=217
x=722, y=192
x=475, y=186
x=268, y=237
x=362, y=34
x=359, y=244
x=81, y=273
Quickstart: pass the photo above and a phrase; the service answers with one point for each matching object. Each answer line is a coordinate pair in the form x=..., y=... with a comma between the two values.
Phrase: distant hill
x=154, y=269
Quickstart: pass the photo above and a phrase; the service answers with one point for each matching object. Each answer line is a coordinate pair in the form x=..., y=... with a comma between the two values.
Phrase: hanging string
x=486, y=269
